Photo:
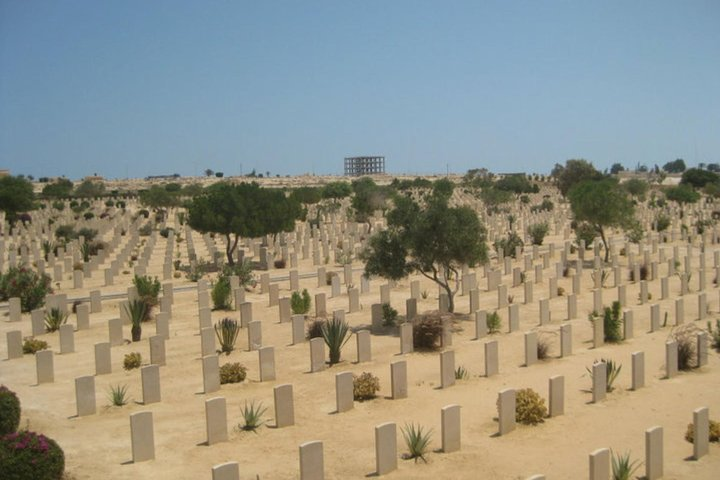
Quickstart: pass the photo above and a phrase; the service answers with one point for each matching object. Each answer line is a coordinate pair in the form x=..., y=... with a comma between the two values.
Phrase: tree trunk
x=607, y=249
x=136, y=333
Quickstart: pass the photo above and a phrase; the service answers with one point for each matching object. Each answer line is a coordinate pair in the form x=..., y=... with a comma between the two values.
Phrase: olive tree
x=602, y=204
x=432, y=239
x=245, y=210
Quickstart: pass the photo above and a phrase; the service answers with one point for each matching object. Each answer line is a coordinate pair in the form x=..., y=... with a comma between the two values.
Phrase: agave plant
x=136, y=310
x=252, y=416
x=612, y=370
x=417, y=440
x=118, y=395
x=622, y=467
x=54, y=318
x=85, y=251
x=336, y=333
x=227, y=331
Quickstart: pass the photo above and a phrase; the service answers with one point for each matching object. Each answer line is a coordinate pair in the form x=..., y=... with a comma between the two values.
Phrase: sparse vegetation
x=461, y=373
x=33, y=345
x=612, y=370
x=713, y=434
x=336, y=333
x=493, y=322
x=300, y=302
x=417, y=440
x=622, y=467
x=232, y=373
x=132, y=360
x=252, y=416
x=54, y=319
x=118, y=395
x=365, y=386
x=227, y=331
x=427, y=331
x=529, y=407
x=389, y=315
x=221, y=294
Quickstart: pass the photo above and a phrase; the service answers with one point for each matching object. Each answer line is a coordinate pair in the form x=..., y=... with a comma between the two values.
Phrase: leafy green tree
x=616, y=168
x=574, y=172
x=636, y=187
x=244, y=210
x=698, y=178
x=60, y=188
x=337, y=190
x=713, y=167
x=602, y=204
x=677, y=166
x=682, y=194
x=159, y=199
x=517, y=183
x=432, y=239
x=209, y=172
x=494, y=197
x=368, y=198
x=306, y=195
x=16, y=196
x=88, y=188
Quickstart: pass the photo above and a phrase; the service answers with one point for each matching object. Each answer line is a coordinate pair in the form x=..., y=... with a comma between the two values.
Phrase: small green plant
x=227, y=331
x=300, y=302
x=461, y=373
x=232, y=373
x=686, y=338
x=365, y=386
x=417, y=440
x=662, y=222
x=543, y=347
x=529, y=407
x=612, y=323
x=54, y=318
x=221, y=293
x=389, y=315
x=336, y=333
x=9, y=411
x=118, y=395
x=148, y=290
x=604, y=275
x=424, y=294
x=136, y=310
x=33, y=345
x=493, y=322
x=30, y=455
x=622, y=467
x=612, y=370
x=252, y=416
x=537, y=232
x=508, y=245
x=427, y=331
x=132, y=360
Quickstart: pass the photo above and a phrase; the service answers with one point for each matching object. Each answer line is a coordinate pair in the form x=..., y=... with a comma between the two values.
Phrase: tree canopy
x=16, y=196
x=682, y=194
x=574, y=172
x=159, y=197
x=245, y=210
x=676, y=166
x=616, y=168
x=602, y=204
x=368, y=198
x=432, y=239
x=636, y=187
x=62, y=187
x=88, y=188
x=699, y=178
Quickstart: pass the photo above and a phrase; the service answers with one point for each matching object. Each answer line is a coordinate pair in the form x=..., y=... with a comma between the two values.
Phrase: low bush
x=529, y=407
x=508, y=245
x=28, y=455
x=54, y=319
x=389, y=315
x=314, y=328
x=493, y=322
x=417, y=440
x=33, y=345
x=280, y=263
x=713, y=434
x=365, y=386
x=686, y=338
x=221, y=293
x=232, y=373
x=252, y=416
x=132, y=360
x=300, y=302
x=9, y=411
x=537, y=232
x=427, y=331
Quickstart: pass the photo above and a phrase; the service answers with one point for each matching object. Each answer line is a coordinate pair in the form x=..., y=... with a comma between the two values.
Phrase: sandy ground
x=98, y=446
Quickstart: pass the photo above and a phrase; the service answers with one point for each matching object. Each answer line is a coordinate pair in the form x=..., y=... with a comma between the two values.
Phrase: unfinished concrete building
x=359, y=166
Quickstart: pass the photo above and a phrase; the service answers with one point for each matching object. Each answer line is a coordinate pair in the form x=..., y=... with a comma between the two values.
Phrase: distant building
x=4, y=173
x=359, y=166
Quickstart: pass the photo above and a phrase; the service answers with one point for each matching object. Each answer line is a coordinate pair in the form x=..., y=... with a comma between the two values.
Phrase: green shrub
x=243, y=270
x=28, y=455
x=232, y=373
x=300, y=302
x=662, y=222
x=529, y=407
x=26, y=284
x=427, y=331
x=9, y=411
x=314, y=329
x=537, y=232
x=622, y=467
x=509, y=244
x=132, y=360
x=365, y=386
x=493, y=322
x=33, y=345
x=148, y=289
x=613, y=323
x=585, y=232
x=220, y=293
x=417, y=441
x=612, y=370
x=252, y=416
x=118, y=395
x=389, y=315
x=336, y=333
x=686, y=338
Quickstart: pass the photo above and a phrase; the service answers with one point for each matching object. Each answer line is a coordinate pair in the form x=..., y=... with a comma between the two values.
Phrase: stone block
x=226, y=471
x=246, y=315
x=638, y=370
x=254, y=330
x=491, y=358
x=44, y=363
x=211, y=374
x=481, y=329
x=376, y=317
x=600, y=464
x=311, y=461
x=103, y=363
x=37, y=320
x=207, y=342
x=406, y=338
x=628, y=324
x=85, y=395
x=67, y=339
x=344, y=391
x=447, y=369
x=273, y=295
x=142, y=436
x=284, y=406
x=266, y=359
x=531, y=347
x=544, y=311
x=364, y=353
x=320, y=305
x=298, y=329
x=14, y=344
x=599, y=381
x=82, y=313
x=317, y=354
x=385, y=448
x=150, y=378
x=398, y=380
x=205, y=318
x=556, y=396
x=671, y=359
x=157, y=350
x=216, y=420
x=506, y=411
x=566, y=340
x=654, y=453
x=679, y=311
x=701, y=423
x=451, y=428
x=162, y=325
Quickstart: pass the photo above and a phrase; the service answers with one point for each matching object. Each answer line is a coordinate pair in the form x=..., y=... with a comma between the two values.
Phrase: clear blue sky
x=136, y=88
